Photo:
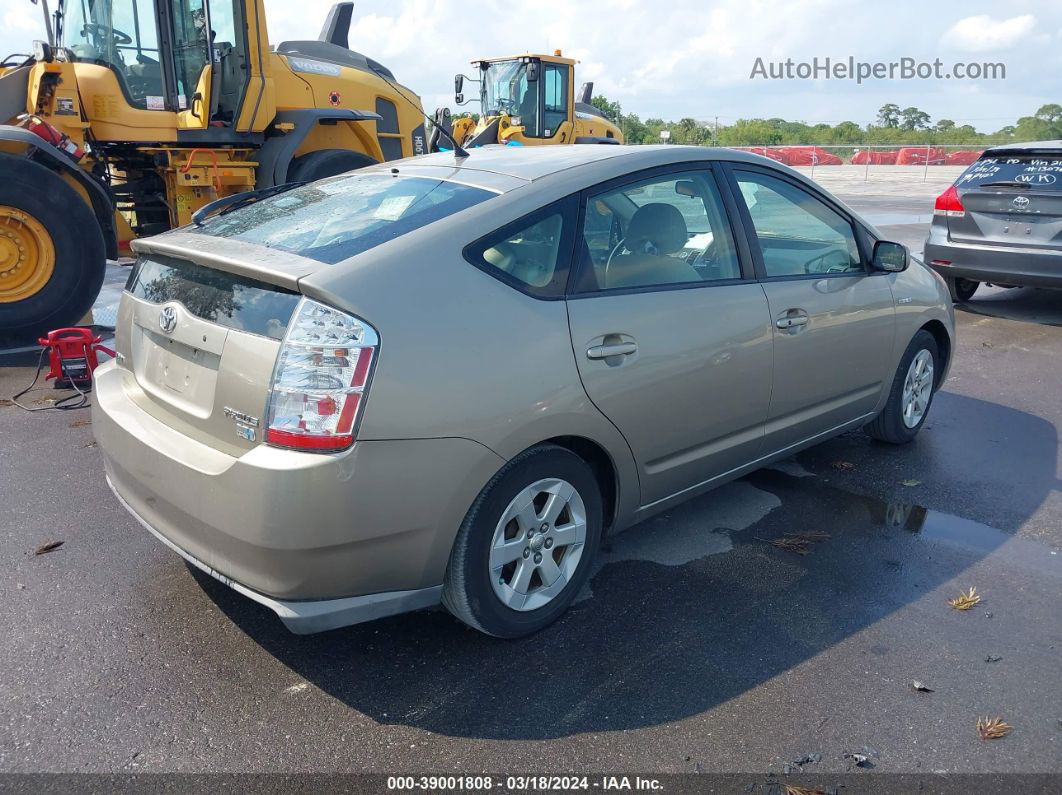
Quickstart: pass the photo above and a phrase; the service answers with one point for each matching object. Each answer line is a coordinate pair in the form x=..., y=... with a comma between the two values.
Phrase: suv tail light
x=320, y=379
x=948, y=204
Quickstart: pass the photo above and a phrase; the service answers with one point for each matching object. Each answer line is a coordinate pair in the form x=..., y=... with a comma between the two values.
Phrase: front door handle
x=792, y=319
x=790, y=322
x=614, y=349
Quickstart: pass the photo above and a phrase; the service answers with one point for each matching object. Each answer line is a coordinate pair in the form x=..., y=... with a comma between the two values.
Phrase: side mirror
x=459, y=99
x=889, y=257
x=459, y=84
x=532, y=71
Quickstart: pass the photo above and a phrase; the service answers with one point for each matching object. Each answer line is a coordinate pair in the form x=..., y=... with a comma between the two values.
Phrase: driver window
x=555, y=86
x=671, y=229
x=123, y=36
x=798, y=234
x=189, y=47
x=527, y=103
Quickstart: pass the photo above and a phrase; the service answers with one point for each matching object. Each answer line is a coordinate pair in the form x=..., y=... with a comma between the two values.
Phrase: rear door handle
x=790, y=322
x=614, y=349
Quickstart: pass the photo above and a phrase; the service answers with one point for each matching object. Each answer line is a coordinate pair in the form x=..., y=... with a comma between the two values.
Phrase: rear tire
x=49, y=230
x=541, y=515
x=911, y=394
x=326, y=163
x=962, y=290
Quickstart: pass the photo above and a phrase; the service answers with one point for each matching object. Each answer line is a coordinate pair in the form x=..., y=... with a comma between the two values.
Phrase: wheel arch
x=944, y=346
x=604, y=469
x=279, y=150
x=19, y=143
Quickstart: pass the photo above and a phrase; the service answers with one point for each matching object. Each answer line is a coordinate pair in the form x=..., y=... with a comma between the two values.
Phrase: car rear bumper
x=996, y=264
x=323, y=540
x=307, y=617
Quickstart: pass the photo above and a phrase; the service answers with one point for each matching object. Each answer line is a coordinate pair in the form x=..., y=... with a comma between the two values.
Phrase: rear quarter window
x=336, y=218
x=1043, y=172
x=532, y=254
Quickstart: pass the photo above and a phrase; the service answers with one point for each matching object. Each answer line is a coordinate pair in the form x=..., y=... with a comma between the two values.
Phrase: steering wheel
x=508, y=106
x=103, y=32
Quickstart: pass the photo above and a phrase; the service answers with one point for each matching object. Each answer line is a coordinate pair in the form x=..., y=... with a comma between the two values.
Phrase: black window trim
x=730, y=166
x=710, y=168
x=556, y=290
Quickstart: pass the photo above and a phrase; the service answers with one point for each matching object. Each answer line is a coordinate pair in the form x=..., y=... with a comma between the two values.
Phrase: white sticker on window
x=182, y=102
x=155, y=103
x=392, y=207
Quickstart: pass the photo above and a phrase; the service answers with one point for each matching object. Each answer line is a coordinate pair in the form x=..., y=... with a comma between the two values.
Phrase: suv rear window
x=336, y=218
x=1043, y=172
x=223, y=298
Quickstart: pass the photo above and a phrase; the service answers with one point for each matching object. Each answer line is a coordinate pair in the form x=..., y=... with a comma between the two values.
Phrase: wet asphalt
x=698, y=646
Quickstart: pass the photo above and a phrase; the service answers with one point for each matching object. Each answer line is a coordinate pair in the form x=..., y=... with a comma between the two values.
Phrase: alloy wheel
x=537, y=544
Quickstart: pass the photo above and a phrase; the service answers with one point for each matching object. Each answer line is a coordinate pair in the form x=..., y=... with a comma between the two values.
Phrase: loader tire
x=326, y=163
x=52, y=253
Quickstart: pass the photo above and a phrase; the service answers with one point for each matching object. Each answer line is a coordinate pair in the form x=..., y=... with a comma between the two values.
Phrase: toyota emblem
x=168, y=319
x=1021, y=202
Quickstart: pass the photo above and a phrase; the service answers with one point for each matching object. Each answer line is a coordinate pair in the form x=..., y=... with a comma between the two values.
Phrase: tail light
x=948, y=204
x=320, y=379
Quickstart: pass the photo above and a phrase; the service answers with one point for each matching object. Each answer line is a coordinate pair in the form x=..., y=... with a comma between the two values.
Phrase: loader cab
x=160, y=50
x=534, y=91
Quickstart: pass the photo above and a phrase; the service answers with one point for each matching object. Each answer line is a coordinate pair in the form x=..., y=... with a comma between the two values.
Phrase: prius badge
x=168, y=319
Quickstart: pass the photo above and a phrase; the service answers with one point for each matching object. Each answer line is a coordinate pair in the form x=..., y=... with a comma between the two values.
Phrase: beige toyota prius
x=445, y=380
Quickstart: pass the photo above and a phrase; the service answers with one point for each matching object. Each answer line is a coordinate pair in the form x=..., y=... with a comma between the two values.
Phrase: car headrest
x=656, y=228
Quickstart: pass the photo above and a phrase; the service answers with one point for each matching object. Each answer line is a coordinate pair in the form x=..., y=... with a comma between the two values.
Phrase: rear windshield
x=1037, y=171
x=223, y=298
x=336, y=218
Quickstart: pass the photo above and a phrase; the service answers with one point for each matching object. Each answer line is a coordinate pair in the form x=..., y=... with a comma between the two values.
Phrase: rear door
x=832, y=319
x=672, y=337
x=1011, y=199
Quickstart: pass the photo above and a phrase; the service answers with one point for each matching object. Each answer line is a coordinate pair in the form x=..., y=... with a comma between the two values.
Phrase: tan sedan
x=446, y=380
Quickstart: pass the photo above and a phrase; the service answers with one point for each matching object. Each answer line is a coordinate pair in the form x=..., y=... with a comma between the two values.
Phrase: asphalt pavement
x=698, y=645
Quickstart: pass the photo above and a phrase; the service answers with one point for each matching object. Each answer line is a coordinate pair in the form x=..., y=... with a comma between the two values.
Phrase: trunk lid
x=199, y=334
x=1011, y=198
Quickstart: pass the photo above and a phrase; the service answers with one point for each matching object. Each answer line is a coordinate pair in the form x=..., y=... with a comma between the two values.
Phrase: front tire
x=52, y=255
x=911, y=394
x=962, y=290
x=527, y=544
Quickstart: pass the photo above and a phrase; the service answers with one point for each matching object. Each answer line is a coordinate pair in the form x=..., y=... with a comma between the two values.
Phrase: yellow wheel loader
x=136, y=113
x=526, y=100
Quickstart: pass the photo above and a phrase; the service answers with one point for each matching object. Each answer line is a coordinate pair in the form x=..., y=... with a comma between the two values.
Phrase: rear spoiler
x=1010, y=151
x=232, y=256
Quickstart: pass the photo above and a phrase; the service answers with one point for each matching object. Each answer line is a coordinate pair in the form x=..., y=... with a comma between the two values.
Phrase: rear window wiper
x=1005, y=183
x=227, y=204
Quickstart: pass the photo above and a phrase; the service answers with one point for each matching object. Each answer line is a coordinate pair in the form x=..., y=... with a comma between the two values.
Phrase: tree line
x=893, y=126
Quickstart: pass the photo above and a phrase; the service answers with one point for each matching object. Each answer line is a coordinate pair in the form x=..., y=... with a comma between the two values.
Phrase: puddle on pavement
x=786, y=497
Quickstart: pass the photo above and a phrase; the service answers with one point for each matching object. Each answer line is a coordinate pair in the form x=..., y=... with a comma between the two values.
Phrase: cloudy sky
x=694, y=57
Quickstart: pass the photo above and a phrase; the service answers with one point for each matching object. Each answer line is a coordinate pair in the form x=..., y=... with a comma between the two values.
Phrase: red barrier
x=917, y=155
x=875, y=158
x=809, y=156
x=962, y=158
x=766, y=151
